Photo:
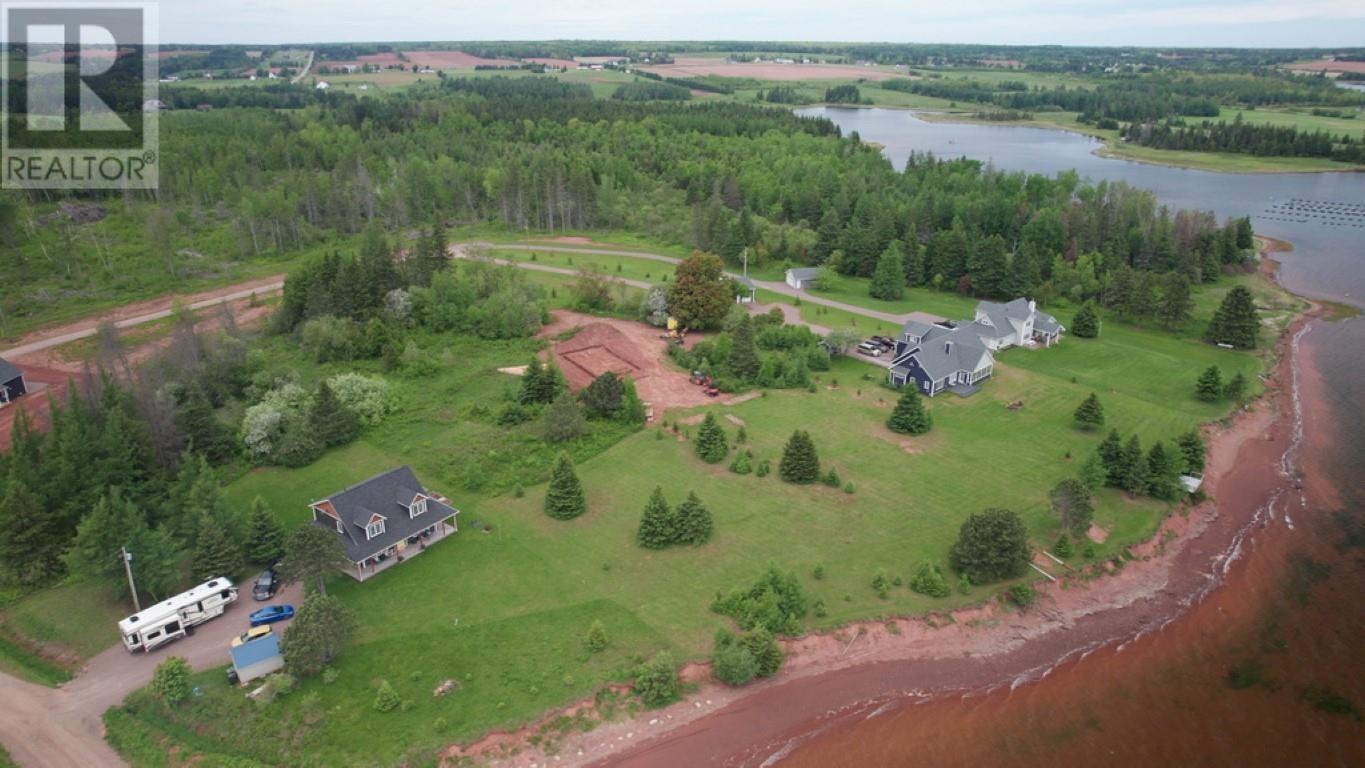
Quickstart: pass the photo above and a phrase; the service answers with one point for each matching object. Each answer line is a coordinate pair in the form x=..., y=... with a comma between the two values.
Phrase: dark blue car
x=271, y=614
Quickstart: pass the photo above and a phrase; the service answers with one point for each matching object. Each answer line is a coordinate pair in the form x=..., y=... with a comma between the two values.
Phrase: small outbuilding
x=257, y=658
x=802, y=278
x=11, y=381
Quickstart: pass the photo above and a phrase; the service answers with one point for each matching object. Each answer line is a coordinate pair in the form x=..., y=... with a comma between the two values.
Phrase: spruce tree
x=658, y=526
x=1162, y=482
x=800, y=464
x=909, y=416
x=632, y=408
x=1086, y=323
x=711, y=445
x=564, y=496
x=1175, y=304
x=1072, y=504
x=1090, y=414
x=530, y=383
x=265, y=537
x=1134, y=477
x=1110, y=451
x=332, y=422
x=1235, y=322
x=692, y=521
x=562, y=420
x=604, y=397
x=1209, y=387
x=1092, y=473
x=992, y=545
x=215, y=554
x=767, y=654
x=888, y=279
x=743, y=361
x=1236, y=387
x=30, y=550
x=1192, y=451
x=196, y=420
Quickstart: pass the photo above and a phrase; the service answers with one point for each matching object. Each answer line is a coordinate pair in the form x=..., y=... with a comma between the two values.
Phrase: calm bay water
x=1166, y=701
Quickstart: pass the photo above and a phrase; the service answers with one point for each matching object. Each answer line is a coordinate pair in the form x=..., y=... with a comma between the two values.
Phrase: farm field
x=701, y=66
x=503, y=611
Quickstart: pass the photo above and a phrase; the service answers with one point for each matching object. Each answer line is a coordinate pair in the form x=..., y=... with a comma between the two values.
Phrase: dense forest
x=1245, y=138
x=533, y=153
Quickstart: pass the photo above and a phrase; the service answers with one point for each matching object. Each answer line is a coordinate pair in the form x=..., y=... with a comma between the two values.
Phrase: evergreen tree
x=1110, y=451
x=888, y=279
x=743, y=361
x=1236, y=387
x=1175, y=304
x=909, y=416
x=743, y=464
x=1086, y=323
x=658, y=525
x=317, y=635
x=1162, y=481
x=1235, y=322
x=632, y=408
x=531, y=383
x=990, y=267
x=31, y=548
x=800, y=464
x=767, y=654
x=928, y=580
x=992, y=545
x=1092, y=473
x=596, y=639
x=1134, y=477
x=1209, y=387
x=1192, y=451
x=331, y=422
x=265, y=537
x=197, y=421
x=711, y=445
x=1090, y=414
x=564, y=497
x=914, y=265
x=603, y=398
x=1072, y=504
x=731, y=661
x=214, y=553
x=692, y=521
x=563, y=420
x=311, y=554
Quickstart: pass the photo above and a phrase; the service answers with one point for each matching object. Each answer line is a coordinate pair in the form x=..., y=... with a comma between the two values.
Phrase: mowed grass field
x=504, y=611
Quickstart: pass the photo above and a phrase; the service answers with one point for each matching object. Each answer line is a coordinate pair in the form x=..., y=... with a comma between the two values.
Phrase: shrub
x=928, y=580
x=329, y=338
x=764, y=468
x=366, y=397
x=562, y=420
x=171, y=681
x=775, y=602
x=1021, y=595
x=881, y=584
x=656, y=681
x=1063, y=548
x=596, y=639
x=848, y=487
x=831, y=478
x=282, y=683
x=731, y=661
x=330, y=675
x=741, y=465
x=386, y=698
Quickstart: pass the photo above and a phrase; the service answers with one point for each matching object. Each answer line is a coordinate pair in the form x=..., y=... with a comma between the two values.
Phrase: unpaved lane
x=61, y=727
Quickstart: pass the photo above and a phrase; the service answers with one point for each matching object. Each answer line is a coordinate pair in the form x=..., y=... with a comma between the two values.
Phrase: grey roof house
x=802, y=278
x=956, y=356
x=385, y=520
x=11, y=381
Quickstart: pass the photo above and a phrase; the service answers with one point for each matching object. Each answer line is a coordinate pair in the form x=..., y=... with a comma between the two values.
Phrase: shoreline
x=974, y=650
x=1109, y=148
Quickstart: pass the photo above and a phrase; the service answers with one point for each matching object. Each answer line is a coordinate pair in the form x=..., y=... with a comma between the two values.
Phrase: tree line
x=1245, y=138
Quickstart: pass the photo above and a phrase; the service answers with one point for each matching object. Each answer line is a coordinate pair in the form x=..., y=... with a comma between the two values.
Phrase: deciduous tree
x=311, y=554
x=320, y=630
x=699, y=296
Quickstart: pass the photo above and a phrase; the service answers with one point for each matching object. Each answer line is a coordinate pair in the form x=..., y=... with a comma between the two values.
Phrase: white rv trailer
x=171, y=619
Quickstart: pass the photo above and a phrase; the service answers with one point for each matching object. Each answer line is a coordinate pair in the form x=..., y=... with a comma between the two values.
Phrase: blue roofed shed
x=257, y=658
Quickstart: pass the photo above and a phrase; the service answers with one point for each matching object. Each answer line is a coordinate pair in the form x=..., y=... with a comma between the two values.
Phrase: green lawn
x=504, y=611
x=45, y=636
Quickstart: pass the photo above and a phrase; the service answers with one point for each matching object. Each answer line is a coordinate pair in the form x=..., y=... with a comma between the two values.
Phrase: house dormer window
x=418, y=507
x=375, y=528
x=340, y=528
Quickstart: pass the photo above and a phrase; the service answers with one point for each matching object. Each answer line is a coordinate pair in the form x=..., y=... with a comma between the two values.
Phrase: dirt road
x=61, y=727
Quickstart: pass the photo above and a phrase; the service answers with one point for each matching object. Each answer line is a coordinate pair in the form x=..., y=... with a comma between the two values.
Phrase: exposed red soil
x=700, y=67
x=627, y=348
x=835, y=677
x=43, y=383
x=453, y=60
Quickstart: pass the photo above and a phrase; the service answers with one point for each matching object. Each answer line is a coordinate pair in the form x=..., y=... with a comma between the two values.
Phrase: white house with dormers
x=1015, y=324
x=385, y=520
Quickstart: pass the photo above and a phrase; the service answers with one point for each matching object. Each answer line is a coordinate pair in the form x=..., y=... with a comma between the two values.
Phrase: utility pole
x=128, y=569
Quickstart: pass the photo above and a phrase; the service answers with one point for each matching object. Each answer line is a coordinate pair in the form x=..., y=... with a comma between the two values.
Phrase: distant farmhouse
x=957, y=356
x=11, y=381
x=384, y=520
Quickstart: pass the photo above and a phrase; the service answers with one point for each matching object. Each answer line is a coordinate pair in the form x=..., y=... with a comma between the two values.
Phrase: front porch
x=410, y=547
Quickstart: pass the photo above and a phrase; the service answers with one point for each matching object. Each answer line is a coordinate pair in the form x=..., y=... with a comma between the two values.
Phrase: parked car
x=251, y=634
x=267, y=584
x=271, y=614
x=886, y=342
x=870, y=349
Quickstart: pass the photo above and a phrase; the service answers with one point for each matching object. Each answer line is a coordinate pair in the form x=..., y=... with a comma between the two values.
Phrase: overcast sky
x=1257, y=23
